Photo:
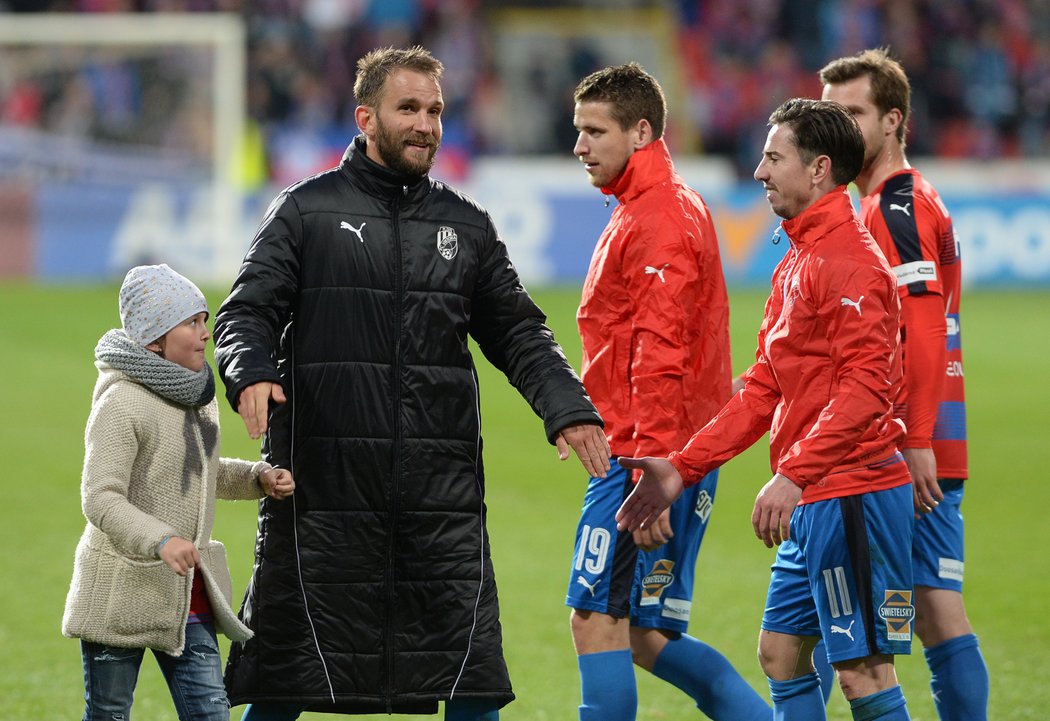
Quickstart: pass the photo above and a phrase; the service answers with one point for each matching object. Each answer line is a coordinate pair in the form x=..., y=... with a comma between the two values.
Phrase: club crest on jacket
x=447, y=242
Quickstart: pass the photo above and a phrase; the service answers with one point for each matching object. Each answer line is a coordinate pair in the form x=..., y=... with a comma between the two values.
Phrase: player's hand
x=774, y=505
x=180, y=554
x=923, y=467
x=253, y=405
x=277, y=483
x=657, y=534
x=590, y=444
x=659, y=487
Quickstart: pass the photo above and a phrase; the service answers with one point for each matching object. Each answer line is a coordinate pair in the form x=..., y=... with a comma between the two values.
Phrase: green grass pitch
x=46, y=364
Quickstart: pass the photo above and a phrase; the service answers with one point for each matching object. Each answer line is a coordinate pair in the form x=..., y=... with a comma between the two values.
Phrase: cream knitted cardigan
x=149, y=473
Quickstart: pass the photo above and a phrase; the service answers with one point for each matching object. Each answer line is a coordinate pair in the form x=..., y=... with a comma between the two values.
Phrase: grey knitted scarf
x=174, y=382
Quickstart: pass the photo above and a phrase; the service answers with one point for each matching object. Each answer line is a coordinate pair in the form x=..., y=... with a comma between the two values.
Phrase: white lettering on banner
x=205, y=233
x=955, y=369
x=524, y=222
x=1031, y=241
x=1004, y=242
x=147, y=229
x=203, y=240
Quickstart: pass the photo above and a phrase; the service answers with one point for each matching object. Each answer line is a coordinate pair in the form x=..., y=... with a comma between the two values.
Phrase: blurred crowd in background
x=980, y=71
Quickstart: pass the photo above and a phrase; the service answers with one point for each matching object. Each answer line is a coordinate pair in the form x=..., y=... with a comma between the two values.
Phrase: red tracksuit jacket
x=827, y=366
x=654, y=315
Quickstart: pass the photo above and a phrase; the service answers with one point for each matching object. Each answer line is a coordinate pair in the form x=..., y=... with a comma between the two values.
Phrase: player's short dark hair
x=373, y=69
x=633, y=94
x=823, y=127
x=889, y=83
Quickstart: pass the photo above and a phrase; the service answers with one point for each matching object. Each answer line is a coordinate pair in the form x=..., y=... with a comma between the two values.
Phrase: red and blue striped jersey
x=914, y=230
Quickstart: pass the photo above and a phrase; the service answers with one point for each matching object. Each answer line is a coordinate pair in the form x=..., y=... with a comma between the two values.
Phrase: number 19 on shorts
x=593, y=551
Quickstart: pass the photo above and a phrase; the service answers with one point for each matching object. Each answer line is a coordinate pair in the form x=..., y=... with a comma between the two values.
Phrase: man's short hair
x=633, y=94
x=824, y=127
x=373, y=69
x=889, y=83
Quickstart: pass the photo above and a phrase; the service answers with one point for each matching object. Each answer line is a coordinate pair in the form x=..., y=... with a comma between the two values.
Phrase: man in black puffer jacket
x=344, y=339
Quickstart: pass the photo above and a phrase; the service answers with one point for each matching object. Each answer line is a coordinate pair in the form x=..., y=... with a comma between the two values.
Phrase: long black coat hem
x=360, y=704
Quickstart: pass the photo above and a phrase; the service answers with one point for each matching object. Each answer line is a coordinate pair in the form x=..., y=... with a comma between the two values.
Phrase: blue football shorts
x=611, y=575
x=845, y=575
x=937, y=550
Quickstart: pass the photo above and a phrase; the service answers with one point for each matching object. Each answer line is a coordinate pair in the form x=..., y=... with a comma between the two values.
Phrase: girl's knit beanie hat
x=154, y=299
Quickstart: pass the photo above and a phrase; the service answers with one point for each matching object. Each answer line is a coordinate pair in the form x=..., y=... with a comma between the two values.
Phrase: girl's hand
x=180, y=554
x=277, y=483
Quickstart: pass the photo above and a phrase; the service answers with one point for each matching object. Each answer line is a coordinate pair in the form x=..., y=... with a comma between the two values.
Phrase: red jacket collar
x=645, y=168
x=816, y=221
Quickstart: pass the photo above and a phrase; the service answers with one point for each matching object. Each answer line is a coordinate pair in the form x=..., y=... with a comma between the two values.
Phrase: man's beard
x=391, y=150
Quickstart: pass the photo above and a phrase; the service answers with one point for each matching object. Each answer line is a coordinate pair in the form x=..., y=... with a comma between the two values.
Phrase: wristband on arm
x=161, y=544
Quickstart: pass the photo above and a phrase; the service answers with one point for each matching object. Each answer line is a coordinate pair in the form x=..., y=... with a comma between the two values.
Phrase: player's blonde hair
x=374, y=68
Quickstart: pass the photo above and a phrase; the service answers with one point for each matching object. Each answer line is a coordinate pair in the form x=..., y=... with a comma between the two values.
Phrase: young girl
x=147, y=573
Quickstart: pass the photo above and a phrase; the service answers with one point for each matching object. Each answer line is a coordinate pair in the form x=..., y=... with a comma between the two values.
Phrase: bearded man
x=344, y=341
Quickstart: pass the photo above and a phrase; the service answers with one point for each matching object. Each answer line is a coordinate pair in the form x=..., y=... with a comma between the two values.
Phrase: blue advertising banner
x=549, y=217
x=1004, y=237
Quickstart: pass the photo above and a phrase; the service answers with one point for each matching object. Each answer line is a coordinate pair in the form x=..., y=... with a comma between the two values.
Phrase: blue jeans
x=194, y=678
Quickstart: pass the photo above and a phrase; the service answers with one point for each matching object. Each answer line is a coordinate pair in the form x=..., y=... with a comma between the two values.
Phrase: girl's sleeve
x=238, y=480
x=111, y=444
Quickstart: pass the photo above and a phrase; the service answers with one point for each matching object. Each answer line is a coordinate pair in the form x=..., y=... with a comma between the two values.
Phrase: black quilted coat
x=373, y=588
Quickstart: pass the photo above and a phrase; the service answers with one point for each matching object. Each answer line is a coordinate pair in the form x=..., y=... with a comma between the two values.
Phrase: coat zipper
x=395, y=486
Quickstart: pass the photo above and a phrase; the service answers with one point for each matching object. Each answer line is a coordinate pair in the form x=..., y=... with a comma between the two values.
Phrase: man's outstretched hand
x=253, y=405
x=590, y=444
x=655, y=534
x=659, y=487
